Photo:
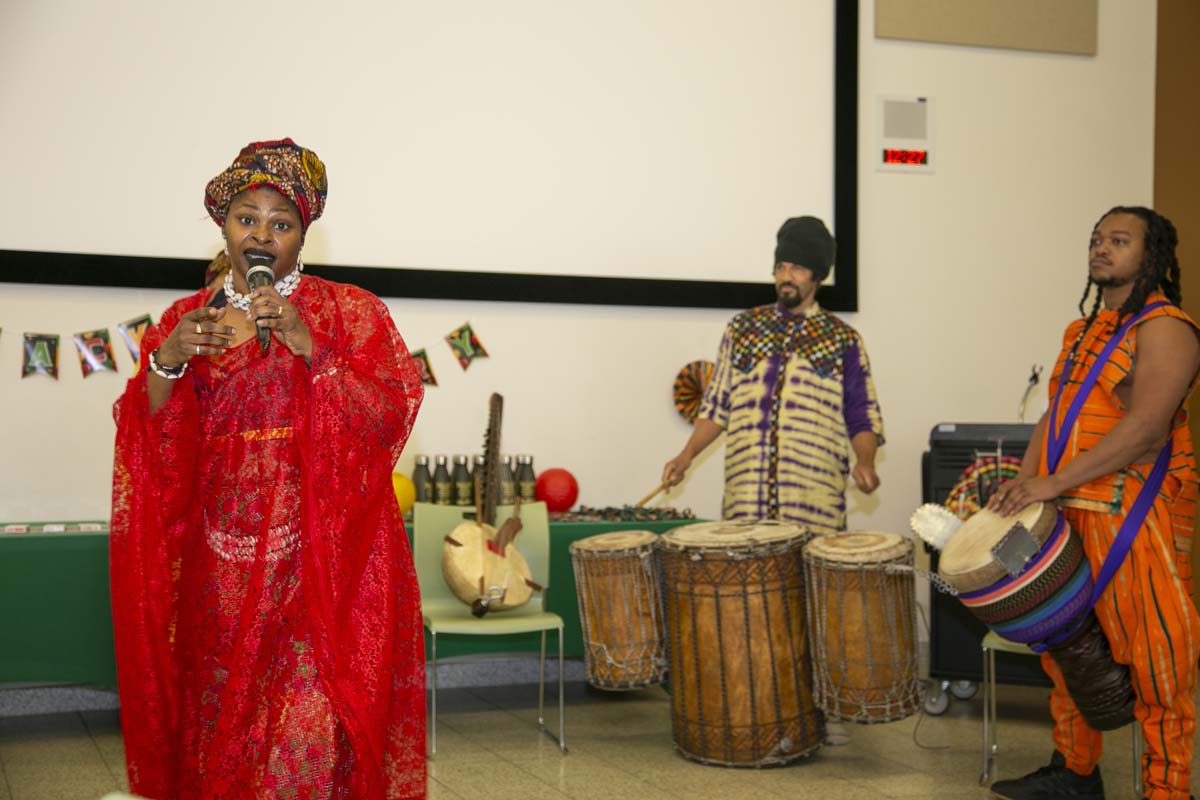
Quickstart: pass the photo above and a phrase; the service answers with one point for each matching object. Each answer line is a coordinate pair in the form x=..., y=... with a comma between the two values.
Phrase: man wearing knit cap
x=792, y=389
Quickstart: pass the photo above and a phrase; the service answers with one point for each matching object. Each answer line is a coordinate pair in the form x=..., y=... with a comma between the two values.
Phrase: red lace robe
x=265, y=607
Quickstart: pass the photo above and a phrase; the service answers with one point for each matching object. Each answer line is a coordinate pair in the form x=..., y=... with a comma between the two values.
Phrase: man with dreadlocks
x=1133, y=416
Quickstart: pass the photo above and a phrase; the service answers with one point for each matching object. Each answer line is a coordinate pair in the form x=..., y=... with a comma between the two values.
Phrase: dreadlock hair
x=1159, y=268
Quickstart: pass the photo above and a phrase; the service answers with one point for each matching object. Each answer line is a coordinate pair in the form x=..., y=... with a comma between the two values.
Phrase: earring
x=299, y=263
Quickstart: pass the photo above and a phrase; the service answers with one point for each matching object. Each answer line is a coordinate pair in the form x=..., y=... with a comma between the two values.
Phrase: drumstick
x=649, y=497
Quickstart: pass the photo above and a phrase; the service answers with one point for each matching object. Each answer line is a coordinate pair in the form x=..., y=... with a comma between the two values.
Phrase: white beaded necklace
x=285, y=286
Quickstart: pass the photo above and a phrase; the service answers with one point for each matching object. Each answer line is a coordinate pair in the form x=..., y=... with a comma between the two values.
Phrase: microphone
x=260, y=274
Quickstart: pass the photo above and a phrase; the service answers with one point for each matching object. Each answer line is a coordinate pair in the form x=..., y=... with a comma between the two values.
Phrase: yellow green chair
x=991, y=643
x=443, y=612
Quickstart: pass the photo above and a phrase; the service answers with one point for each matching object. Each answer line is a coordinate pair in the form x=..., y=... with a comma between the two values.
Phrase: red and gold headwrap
x=293, y=171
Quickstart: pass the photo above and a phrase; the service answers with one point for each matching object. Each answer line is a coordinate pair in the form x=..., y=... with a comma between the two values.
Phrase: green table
x=56, y=623
x=55, y=619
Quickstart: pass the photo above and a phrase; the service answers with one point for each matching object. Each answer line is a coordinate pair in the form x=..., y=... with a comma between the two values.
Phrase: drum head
x=731, y=534
x=859, y=547
x=617, y=540
x=967, y=561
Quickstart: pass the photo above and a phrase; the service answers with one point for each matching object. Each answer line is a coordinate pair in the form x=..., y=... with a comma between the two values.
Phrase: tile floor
x=620, y=747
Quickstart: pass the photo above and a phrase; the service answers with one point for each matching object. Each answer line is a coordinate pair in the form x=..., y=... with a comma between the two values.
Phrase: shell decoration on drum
x=862, y=616
x=741, y=676
x=620, y=609
x=934, y=524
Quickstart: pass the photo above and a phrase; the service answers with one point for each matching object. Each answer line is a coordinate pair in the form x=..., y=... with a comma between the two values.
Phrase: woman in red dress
x=266, y=610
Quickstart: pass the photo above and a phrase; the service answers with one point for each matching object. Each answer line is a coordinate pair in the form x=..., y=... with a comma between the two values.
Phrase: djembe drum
x=1028, y=579
x=620, y=609
x=741, y=681
x=862, y=625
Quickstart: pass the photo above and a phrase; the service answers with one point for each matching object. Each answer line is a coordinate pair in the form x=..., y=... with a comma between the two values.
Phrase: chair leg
x=989, y=714
x=562, y=714
x=1138, y=748
x=561, y=738
x=433, y=694
x=542, y=685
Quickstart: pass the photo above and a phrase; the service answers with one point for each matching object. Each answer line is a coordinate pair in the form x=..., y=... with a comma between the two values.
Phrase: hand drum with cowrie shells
x=1028, y=578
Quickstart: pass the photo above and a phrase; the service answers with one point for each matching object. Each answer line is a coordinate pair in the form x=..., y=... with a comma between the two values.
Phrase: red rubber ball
x=557, y=488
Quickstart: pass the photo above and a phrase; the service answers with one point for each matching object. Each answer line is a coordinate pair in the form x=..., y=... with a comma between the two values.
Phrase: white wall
x=967, y=277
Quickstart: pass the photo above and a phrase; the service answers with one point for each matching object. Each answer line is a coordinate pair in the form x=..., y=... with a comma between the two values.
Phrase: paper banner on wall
x=41, y=355
x=424, y=368
x=465, y=345
x=132, y=332
x=95, y=352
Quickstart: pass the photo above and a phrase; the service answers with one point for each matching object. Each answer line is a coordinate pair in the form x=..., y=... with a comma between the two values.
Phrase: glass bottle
x=526, y=480
x=464, y=494
x=443, y=489
x=422, y=480
x=507, y=489
x=477, y=478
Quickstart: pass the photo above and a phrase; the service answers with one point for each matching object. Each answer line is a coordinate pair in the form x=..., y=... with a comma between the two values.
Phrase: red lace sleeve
x=153, y=463
x=365, y=393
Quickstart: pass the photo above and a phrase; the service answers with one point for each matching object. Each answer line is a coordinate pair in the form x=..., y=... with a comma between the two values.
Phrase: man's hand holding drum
x=1011, y=497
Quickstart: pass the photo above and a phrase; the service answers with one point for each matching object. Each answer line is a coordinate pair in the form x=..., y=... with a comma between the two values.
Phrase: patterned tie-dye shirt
x=790, y=390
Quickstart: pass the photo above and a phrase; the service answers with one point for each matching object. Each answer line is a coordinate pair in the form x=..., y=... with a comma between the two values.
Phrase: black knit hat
x=806, y=242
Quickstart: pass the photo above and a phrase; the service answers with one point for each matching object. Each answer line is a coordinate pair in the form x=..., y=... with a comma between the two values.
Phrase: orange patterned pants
x=1152, y=625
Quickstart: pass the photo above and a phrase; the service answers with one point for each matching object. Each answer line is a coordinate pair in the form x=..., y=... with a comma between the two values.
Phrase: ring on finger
x=197, y=349
x=280, y=310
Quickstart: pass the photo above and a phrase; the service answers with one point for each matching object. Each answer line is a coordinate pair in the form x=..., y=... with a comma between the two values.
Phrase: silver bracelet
x=170, y=373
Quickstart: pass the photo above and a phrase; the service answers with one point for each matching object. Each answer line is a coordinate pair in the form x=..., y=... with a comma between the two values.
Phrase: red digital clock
x=896, y=156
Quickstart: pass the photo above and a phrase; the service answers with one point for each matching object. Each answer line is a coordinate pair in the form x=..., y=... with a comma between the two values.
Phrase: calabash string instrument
x=481, y=564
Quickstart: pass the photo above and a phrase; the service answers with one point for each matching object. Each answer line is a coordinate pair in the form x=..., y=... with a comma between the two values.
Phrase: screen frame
x=142, y=272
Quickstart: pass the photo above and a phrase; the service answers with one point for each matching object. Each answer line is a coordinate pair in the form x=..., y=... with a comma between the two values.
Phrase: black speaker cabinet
x=955, y=635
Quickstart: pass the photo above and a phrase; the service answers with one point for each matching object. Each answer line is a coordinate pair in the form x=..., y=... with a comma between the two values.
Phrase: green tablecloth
x=56, y=624
x=55, y=621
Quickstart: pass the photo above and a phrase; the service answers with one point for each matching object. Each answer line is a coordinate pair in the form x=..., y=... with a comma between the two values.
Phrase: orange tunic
x=1146, y=611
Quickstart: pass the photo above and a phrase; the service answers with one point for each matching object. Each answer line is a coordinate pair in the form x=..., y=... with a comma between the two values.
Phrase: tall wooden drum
x=741, y=680
x=620, y=609
x=862, y=624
